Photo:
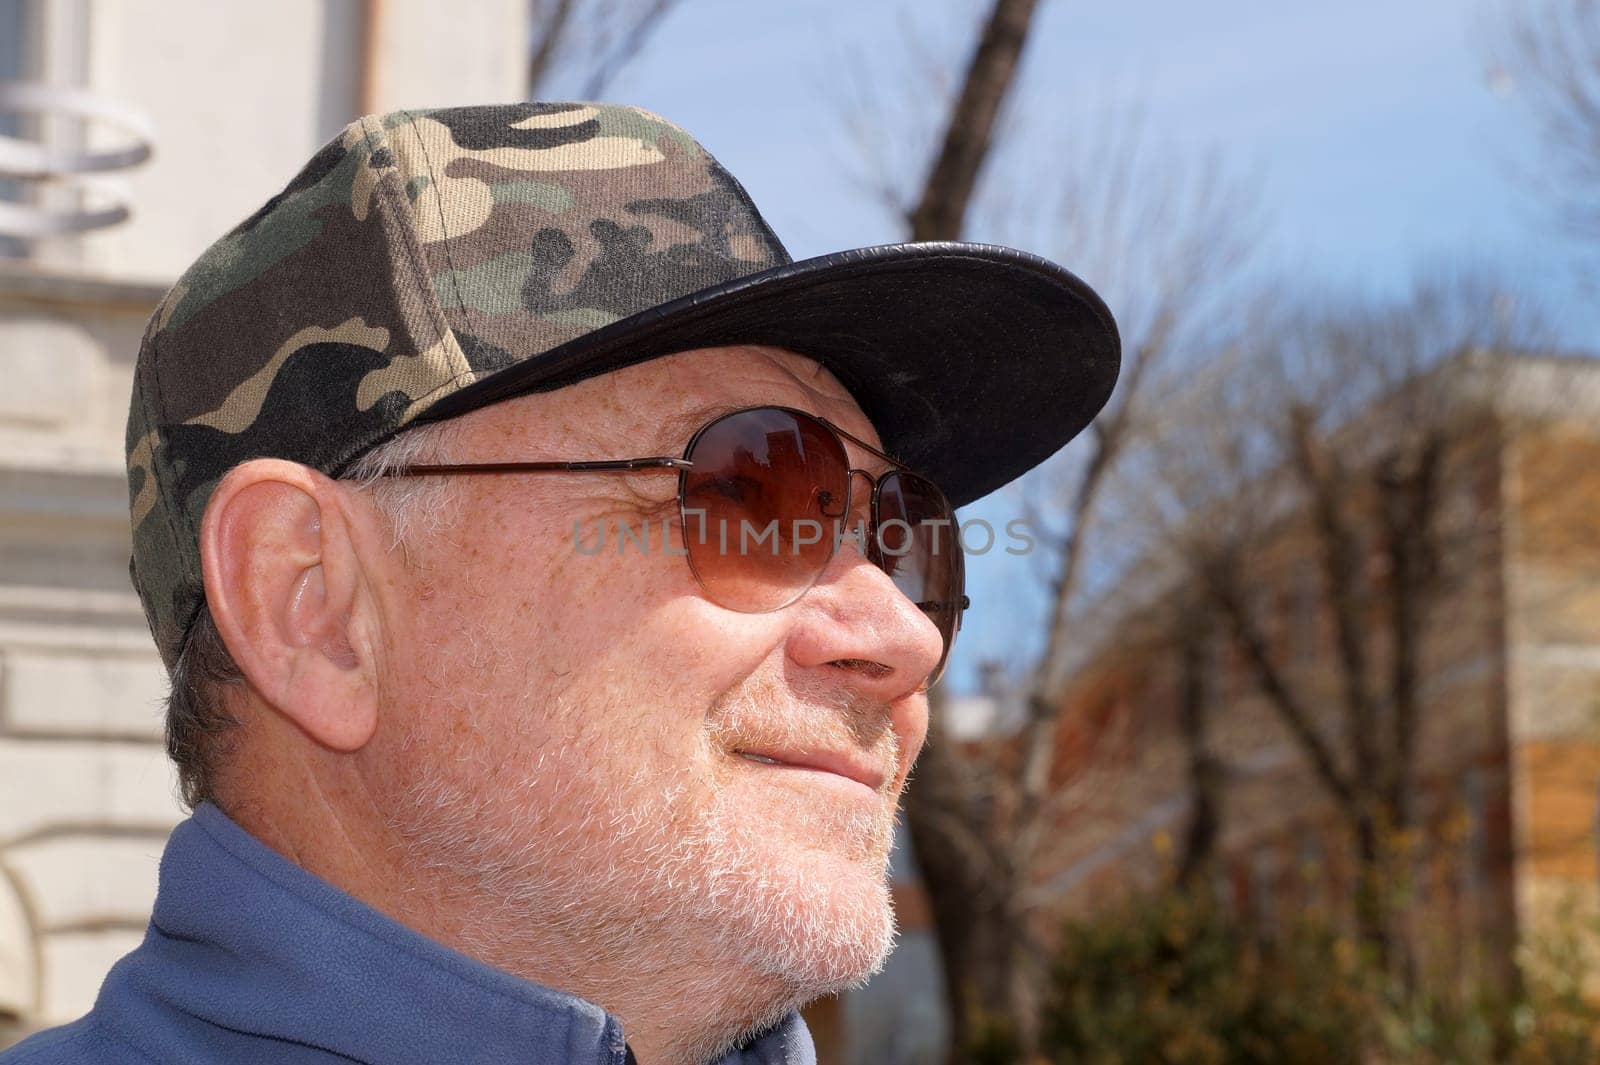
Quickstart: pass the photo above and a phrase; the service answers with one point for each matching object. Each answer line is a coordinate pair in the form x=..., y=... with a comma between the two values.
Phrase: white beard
x=659, y=884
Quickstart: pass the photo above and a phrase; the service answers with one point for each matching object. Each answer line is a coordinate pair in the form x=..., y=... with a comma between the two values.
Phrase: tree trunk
x=970, y=132
x=1205, y=773
x=973, y=914
x=1371, y=903
x=988, y=995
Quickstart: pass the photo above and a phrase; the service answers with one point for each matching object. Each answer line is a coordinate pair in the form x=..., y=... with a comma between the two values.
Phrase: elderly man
x=551, y=573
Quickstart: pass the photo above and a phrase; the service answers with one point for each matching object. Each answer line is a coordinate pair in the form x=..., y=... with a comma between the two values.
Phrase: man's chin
x=818, y=921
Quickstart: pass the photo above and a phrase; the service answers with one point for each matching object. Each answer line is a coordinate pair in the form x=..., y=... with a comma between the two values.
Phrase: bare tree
x=586, y=43
x=1340, y=441
x=1161, y=237
x=1547, y=52
x=970, y=883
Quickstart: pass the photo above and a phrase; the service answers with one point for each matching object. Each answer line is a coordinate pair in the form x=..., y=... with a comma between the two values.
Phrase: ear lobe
x=285, y=584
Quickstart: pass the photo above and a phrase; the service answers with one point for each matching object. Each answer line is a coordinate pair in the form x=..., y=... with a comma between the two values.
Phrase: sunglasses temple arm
x=945, y=604
x=654, y=462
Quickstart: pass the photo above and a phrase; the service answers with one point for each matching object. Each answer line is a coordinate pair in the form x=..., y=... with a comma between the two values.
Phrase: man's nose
x=856, y=623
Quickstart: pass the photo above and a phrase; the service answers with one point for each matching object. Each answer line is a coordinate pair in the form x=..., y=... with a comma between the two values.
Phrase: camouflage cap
x=427, y=263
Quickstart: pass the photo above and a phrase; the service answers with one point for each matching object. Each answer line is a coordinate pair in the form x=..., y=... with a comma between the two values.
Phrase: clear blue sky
x=1371, y=127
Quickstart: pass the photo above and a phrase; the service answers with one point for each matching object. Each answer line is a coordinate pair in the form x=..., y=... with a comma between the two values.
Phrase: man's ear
x=286, y=586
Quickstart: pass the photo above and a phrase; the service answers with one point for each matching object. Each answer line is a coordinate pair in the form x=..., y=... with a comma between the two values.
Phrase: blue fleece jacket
x=251, y=959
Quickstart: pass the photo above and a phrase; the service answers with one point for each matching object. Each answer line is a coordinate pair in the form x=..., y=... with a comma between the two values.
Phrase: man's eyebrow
x=674, y=432
x=672, y=435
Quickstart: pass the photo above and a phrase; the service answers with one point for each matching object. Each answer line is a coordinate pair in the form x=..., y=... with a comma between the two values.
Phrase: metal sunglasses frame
x=683, y=465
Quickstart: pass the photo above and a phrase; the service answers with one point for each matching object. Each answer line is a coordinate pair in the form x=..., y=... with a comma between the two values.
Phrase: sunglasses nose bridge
x=865, y=506
x=872, y=482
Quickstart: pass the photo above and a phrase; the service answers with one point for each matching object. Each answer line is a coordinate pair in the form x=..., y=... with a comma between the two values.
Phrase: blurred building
x=135, y=134
x=1507, y=751
x=1507, y=765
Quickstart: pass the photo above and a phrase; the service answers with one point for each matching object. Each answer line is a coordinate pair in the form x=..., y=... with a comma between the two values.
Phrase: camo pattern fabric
x=416, y=253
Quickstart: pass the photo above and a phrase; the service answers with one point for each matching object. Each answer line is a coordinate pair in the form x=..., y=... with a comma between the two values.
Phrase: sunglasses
x=766, y=496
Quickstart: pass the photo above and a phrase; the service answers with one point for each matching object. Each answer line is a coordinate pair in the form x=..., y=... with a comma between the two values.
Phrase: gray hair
x=199, y=717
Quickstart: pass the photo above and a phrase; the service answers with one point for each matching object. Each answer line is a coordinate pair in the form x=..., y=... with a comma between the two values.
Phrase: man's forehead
x=655, y=407
x=679, y=393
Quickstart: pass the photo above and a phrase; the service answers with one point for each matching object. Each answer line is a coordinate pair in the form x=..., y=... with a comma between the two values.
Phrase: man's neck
x=677, y=1000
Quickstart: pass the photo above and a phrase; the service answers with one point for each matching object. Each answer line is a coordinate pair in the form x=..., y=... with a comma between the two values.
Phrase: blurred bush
x=1173, y=978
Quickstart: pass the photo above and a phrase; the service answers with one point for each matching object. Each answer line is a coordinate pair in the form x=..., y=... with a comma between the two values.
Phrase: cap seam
x=444, y=228
x=769, y=236
x=416, y=274
x=165, y=490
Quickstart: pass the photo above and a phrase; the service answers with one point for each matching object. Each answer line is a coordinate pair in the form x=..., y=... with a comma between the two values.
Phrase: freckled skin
x=533, y=672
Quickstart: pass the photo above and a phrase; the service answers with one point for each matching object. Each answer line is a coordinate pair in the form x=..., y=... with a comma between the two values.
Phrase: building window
x=14, y=66
x=1264, y=871
x=1312, y=867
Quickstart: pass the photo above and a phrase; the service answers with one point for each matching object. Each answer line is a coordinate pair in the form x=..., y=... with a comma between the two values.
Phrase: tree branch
x=1343, y=576
x=632, y=44
x=551, y=30
x=1223, y=585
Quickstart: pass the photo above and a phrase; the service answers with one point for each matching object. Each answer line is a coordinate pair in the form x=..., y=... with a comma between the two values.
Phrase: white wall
x=240, y=95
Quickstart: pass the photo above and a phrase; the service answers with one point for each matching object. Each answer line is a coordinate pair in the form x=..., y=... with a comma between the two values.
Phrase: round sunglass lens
x=917, y=545
x=760, y=506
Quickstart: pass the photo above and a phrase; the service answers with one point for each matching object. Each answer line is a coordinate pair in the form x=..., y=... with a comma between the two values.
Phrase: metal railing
x=67, y=190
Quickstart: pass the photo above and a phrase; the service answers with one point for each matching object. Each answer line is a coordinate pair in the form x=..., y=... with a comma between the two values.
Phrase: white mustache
x=766, y=715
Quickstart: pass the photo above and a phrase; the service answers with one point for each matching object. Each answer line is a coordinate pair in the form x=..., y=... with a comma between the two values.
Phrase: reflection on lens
x=757, y=506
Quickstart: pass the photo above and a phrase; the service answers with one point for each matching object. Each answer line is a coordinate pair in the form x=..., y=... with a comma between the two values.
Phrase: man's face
x=568, y=735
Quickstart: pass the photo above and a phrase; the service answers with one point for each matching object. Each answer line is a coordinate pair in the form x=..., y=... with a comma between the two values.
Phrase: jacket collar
x=245, y=941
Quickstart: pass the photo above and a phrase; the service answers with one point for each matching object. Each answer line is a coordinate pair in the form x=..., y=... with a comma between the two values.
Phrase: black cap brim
x=974, y=362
